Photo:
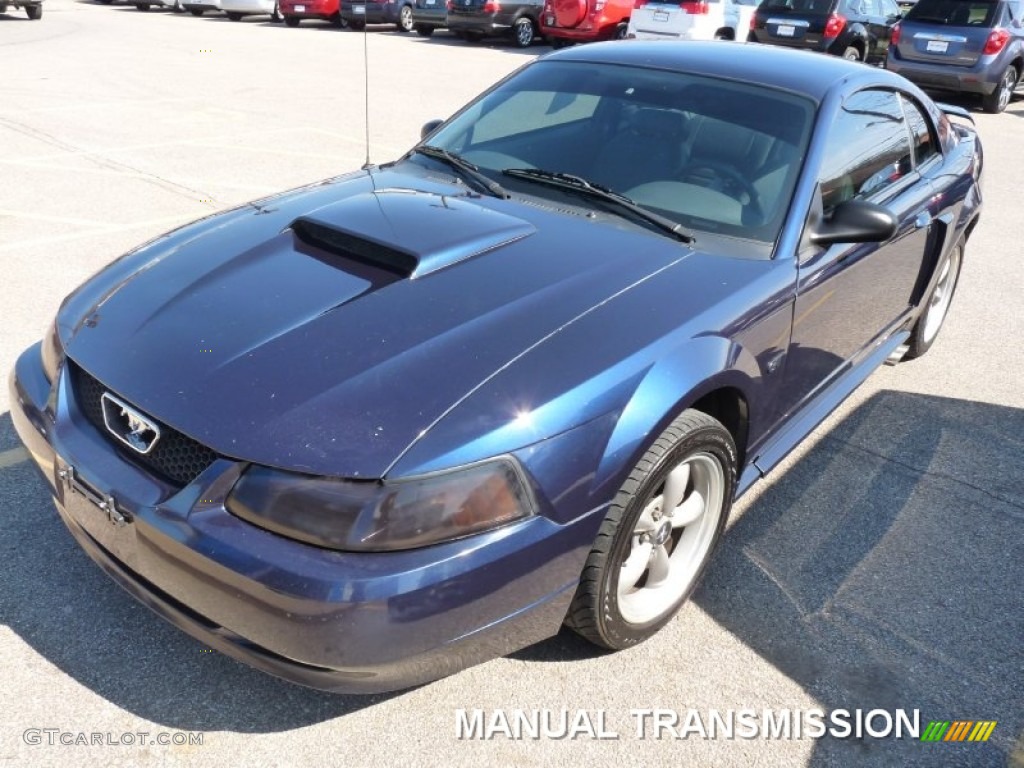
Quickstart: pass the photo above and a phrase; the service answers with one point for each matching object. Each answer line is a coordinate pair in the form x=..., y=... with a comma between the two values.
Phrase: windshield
x=710, y=154
x=955, y=13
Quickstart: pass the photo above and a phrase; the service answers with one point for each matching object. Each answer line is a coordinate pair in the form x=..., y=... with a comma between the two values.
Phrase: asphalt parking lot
x=880, y=567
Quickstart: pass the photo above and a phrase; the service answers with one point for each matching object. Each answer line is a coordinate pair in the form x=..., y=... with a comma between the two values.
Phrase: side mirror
x=855, y=221
x=429, y=127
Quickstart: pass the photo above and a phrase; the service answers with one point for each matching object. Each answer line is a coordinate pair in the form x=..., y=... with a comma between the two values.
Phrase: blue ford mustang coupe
x=363, y=434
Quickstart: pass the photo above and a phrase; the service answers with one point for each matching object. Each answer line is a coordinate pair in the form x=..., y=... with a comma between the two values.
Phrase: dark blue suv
x=966, y=46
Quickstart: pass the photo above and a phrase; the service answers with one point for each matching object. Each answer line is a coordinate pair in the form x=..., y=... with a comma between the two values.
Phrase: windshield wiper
x=620, y=202
x=465, y=168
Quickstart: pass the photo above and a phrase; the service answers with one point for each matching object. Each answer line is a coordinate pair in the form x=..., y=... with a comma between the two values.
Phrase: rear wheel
x=658, y=534
x=405, y=19
x=196, y=11
x=357, y=25
x=558, y=42
x=852, y=53
x=999, y=99
x=424, y=30
x=234, y=16
x=523, y=32
x=336, y=19
x=34, y=12
x=620, y=31
x=724, y=34
x=928, y=325
x=472, y=37
x=292, y=21
x=142, y=6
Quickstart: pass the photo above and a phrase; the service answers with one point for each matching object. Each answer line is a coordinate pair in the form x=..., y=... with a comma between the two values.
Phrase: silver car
x=963, y=46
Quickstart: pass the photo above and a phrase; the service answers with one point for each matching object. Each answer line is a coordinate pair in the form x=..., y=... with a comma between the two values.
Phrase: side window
x=890, y=9
x=868, y=148
x=925, y=146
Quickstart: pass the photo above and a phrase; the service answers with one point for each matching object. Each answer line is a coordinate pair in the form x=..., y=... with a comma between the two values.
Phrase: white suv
x=699, y=20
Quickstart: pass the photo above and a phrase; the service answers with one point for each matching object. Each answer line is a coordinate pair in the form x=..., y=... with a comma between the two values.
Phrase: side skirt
x=811, y=415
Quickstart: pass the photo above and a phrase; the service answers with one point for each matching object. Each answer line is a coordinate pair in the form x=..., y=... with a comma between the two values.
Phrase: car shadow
x=73, y=615
x=881, y=570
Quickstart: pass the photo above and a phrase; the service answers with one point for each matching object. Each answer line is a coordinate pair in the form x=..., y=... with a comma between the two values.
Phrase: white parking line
x=54, y=219
x=12, y=457
x=182, y=218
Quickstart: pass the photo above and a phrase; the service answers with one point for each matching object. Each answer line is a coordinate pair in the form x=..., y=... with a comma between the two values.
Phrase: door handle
x=923, y=220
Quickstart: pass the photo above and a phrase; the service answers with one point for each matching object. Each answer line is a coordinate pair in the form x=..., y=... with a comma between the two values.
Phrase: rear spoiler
x=949, y=109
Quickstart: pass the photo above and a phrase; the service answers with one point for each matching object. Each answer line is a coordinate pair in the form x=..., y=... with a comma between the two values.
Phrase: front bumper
x=346, y=622
x=981, y=79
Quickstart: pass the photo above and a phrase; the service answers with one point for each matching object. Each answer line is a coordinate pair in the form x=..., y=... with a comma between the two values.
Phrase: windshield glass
x=956, y=13
x=710, y=154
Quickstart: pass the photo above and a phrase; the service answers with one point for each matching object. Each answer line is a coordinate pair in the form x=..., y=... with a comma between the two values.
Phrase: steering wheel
x=724, y=178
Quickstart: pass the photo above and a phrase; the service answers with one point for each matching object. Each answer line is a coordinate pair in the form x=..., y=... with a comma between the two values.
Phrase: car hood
x=327, y=329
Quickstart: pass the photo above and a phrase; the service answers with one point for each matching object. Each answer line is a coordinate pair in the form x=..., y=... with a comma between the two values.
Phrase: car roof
x=807, y=72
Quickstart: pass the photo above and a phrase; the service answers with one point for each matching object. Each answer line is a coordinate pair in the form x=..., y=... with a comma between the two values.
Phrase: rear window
x=808, y=7
x=954, y=13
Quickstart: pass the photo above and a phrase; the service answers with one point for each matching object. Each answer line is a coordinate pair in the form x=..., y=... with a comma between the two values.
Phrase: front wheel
x=928, y=325
x=523, y=32
x=34, y=12
x=999, y=99
x=658, y=534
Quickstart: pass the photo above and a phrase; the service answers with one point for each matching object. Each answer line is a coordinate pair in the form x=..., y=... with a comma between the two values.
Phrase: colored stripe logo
x=958, y=730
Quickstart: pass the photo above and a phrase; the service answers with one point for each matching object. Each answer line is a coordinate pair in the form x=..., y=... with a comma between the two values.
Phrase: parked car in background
x=477, y=19
x=237, y=9
x=854, y=29
x=33, y=8
x=358, y=14
x=429, y=15
x=962, y=46
x=294, y=11
x=691, y=20
x=174, y=5
x=199, y=7
x=564, y=22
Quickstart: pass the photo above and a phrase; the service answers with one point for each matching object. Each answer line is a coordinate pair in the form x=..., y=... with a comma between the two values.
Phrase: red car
x=564, y=22
x=295, y=11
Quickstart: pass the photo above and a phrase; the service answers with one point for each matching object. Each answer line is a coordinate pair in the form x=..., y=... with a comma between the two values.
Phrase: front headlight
x=372, y=516
x=52, y=353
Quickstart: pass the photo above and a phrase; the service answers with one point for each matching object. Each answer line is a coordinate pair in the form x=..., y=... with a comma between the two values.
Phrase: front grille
x=176, y=458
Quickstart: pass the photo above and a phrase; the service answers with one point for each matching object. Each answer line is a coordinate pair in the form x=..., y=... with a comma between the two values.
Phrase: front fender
x=676, y=381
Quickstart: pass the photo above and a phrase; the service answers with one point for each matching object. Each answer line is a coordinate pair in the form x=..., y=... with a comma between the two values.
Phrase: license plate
x=785, y=30
x=937, y=46
x=357, y=9
x=300, y=9
x=431, y=2
x=661, y=15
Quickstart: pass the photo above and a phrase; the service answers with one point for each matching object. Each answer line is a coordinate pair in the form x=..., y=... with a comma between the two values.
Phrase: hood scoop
x=405, y=233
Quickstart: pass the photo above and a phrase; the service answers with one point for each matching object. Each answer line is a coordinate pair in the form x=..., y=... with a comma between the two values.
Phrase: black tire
x=852, y=53
x=105, y=2
x=558, y=42
x=595, y=611
x=472, y=37
x=292, y=21
x=724, y=34
x=523, y=32
x=927, y=329
x=234, y=15
x=196, y=11
x=405, y=24
x=142, y=6
x=34, y=12
x=336, y=20
x=620, y=31
x=357, y=25
x=424, y=30
x=999, y=99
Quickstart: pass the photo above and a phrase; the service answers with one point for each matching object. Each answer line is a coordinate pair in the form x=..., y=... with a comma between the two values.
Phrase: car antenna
x=366, y=89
